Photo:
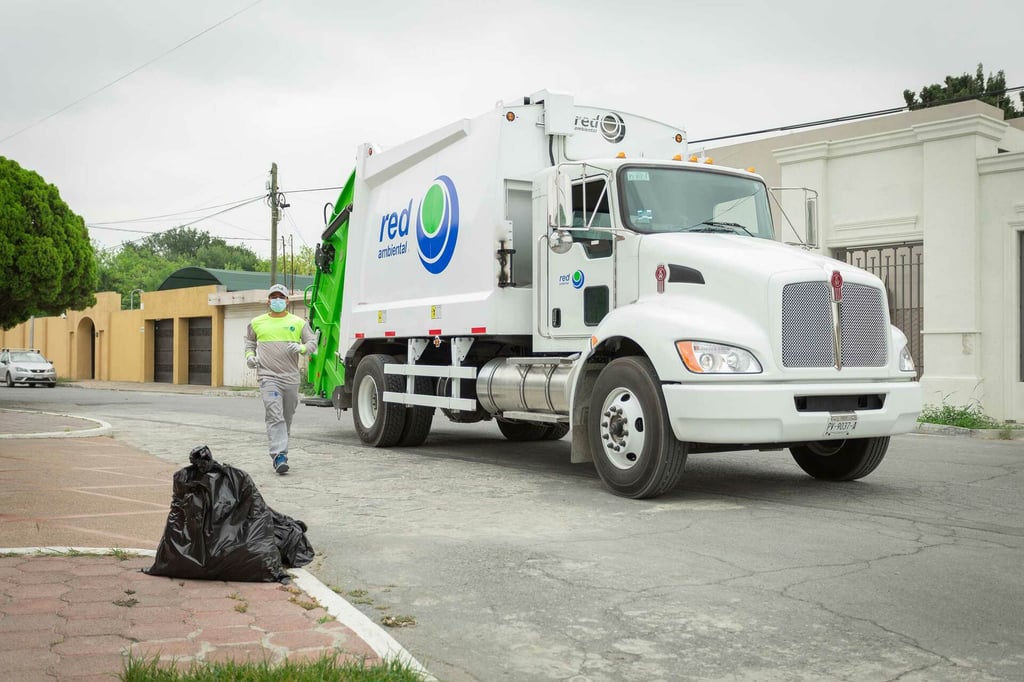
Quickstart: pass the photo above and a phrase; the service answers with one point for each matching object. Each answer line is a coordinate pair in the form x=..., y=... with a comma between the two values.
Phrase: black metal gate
x=900, y=267
x=163, y=351
x=200, y=350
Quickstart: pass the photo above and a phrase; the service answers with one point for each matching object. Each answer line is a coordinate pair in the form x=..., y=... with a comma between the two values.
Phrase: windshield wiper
x=713, y=224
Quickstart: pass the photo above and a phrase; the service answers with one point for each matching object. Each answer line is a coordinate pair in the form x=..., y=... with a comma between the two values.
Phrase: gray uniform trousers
x=279, y=401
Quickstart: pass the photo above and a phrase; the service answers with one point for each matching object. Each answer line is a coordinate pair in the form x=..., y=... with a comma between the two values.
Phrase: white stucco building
x=933, y=202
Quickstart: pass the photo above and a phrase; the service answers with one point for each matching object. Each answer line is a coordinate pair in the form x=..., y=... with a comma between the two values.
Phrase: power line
x=173, y=215
x=102, y=223
x=314, y=189
x=189, y=223
x=135, y=70
x=854, y=117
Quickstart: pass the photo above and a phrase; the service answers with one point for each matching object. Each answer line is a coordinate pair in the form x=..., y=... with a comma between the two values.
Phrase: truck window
x=693, y=200
x=591, y=209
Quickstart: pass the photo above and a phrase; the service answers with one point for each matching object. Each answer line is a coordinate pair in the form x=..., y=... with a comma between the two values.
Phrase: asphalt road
x=517, y=565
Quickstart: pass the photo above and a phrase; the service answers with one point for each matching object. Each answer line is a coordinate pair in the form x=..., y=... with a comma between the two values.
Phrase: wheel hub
x=367, y=399
x=622, y=428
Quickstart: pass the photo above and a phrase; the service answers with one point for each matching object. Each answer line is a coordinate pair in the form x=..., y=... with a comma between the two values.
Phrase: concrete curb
x=168, y=389
x=383, y=644
x=103, y=429
x=981, y=434
x=58, y=551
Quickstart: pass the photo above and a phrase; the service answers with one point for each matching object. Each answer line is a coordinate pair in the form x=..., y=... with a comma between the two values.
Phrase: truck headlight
x=701, y=357
x=907, y=360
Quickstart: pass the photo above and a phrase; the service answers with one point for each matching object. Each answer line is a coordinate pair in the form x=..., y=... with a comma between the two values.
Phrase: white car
x=26, y=366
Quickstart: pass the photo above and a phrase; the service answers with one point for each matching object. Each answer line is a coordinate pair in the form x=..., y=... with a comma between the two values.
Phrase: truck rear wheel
x=521, y=432
x=635, y=452
x=418, y=418
x=844, y=460
x=378, y=423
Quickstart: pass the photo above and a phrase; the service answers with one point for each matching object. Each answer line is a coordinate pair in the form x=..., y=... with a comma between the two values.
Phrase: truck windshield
x=657, y=199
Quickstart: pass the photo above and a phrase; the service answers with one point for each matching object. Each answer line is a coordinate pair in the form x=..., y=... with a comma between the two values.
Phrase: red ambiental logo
x=837, y=286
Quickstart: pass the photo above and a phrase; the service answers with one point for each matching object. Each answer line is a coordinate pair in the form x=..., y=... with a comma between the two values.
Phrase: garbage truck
x=570, y=270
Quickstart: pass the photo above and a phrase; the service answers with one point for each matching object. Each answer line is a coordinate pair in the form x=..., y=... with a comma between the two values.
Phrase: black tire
x=53, y=385
x=556, y=432
x=378, y=423
x=418, y=418
x=627, y=411
x=521, y=432
x=843, y=460
x=10, y=382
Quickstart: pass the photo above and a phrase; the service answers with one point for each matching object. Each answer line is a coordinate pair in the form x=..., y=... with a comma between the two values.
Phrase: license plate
x=840, y=424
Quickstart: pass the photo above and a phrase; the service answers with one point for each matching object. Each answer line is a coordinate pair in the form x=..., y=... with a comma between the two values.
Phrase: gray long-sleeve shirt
x=268, y=337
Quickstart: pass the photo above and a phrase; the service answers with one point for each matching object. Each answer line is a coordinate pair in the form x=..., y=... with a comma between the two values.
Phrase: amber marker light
x=677, y=157
x=620, y=155
x=593, y=341
x=751, y=169
x=709, y=160
x=685, y=349
x=510, y=116
x=694, y=159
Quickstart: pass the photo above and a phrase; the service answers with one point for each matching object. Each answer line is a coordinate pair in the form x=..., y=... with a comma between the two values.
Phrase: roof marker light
x=750, y=169
x=709, y=160
x=677, y=157
x=693, y=158
x=620, y=155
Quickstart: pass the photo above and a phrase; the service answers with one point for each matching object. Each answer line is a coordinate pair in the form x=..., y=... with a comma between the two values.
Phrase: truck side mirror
x=560, y=241
x=811, y=220
x=559, y=200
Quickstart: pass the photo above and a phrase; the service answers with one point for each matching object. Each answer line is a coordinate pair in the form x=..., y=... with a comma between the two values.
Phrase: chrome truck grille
x=807, y=326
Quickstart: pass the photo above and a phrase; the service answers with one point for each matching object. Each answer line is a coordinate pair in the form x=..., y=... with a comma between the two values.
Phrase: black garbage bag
x=220, y=528
x=290, y=537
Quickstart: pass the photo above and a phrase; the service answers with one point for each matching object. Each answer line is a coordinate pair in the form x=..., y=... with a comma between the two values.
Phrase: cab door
x=580, y=283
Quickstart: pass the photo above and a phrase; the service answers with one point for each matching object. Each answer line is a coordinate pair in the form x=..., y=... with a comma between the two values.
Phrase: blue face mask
x=278, y=305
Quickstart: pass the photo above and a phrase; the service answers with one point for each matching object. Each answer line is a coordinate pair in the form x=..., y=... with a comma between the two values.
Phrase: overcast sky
x=303, y=82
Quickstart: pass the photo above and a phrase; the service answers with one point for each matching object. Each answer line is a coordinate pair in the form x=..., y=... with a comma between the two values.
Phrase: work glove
x=296, y=348
x=252, y=362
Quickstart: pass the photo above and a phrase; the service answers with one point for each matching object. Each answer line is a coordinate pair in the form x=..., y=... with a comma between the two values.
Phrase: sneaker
x=281, y=463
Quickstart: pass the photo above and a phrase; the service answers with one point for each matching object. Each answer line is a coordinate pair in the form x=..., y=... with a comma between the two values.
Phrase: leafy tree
x=133, y=267
x=46, y=260
x=991, y=90
x=147, y=263
x=302, y=263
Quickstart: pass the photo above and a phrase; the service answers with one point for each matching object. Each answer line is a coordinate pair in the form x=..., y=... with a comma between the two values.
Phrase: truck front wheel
x=635, y=452
x=378, y=423
x=844, y=460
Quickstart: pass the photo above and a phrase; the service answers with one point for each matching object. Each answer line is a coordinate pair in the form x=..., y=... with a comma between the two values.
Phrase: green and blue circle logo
x=577, y=279
x=437, y=225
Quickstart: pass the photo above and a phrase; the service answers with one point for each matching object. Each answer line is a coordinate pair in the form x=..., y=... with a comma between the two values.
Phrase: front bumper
x=29, y=377
x=752, y=413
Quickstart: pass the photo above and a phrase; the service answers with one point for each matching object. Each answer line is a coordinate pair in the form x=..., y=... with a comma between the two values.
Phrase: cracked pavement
x=518, y=565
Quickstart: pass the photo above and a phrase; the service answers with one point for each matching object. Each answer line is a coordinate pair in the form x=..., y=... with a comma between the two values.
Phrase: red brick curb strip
x=77, y=612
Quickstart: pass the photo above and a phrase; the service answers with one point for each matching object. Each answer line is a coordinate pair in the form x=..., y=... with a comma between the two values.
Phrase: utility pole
x=274, y=215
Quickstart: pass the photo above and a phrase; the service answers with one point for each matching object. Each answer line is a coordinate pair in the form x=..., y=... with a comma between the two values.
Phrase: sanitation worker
x=273, y=343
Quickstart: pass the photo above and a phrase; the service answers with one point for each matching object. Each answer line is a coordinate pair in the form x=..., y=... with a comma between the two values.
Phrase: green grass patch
x=327, y=668
x=964, y=416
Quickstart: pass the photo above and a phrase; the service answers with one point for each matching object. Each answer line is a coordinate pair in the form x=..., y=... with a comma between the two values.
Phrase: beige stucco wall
x=106, y=343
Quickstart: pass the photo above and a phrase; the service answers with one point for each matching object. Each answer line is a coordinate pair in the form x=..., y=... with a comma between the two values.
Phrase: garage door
x=200, y=349
x=163, y=351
